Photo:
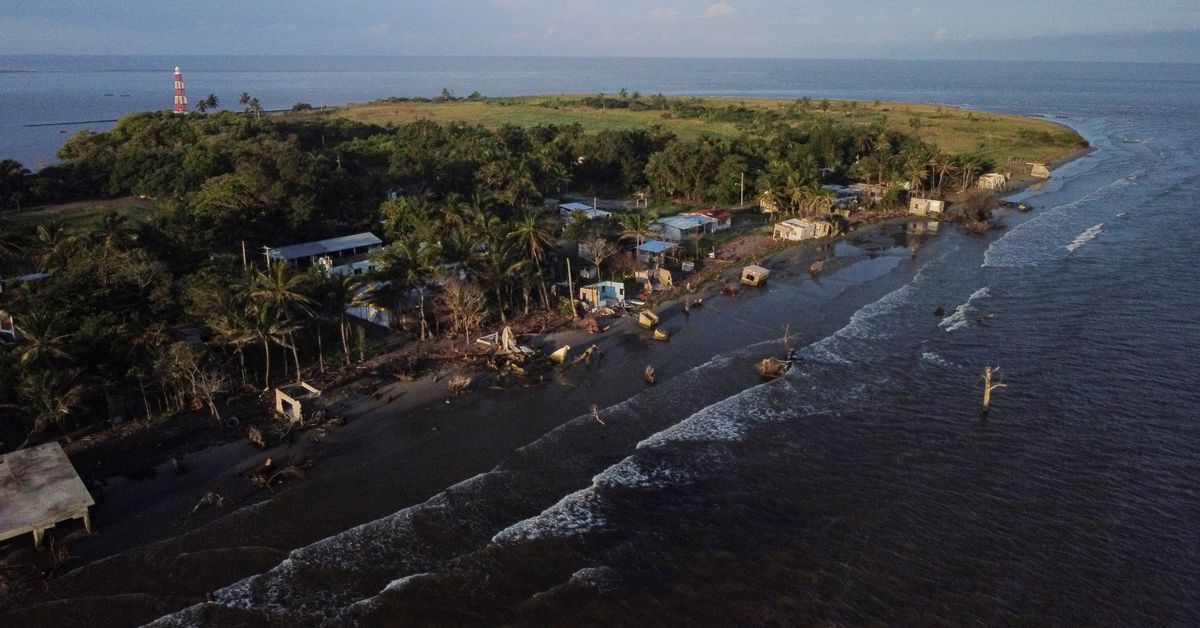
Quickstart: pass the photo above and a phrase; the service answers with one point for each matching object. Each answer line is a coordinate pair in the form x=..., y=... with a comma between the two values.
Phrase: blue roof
x=655, y=246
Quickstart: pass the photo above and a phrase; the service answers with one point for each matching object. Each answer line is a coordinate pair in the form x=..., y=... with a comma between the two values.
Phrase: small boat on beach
x=661, y=335
x=560, y=355
x=773, y=368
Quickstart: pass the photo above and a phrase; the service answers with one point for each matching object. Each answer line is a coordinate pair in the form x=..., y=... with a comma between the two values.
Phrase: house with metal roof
x=676, y=228
x=568, y=209
x=346, y=255
x=653, y=251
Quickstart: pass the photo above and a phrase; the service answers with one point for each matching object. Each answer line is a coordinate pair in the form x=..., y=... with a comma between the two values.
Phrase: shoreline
x=444, y=441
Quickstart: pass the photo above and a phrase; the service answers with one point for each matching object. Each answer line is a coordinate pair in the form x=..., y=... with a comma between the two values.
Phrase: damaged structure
x=298, y=402
x=39, y=489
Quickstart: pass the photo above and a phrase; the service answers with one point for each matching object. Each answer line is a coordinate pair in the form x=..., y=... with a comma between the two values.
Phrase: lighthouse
x=180, y=96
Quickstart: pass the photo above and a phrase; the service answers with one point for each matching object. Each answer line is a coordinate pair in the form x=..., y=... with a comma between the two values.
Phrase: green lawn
x=82, y=215
x=997, y=137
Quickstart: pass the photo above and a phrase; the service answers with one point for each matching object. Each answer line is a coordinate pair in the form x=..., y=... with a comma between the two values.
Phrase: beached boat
x=661, y=335
x=772, y=368
x=560, y=354
x=755, y=275
x=647, y=319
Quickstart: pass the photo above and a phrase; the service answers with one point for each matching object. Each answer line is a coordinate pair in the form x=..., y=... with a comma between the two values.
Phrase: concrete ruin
x=39, y=489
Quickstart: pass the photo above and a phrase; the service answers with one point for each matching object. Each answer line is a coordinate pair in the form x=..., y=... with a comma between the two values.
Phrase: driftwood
x=816, y=267
x=988, y=386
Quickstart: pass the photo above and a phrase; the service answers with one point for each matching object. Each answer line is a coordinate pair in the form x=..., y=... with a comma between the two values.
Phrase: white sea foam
x=934, y=358
x=635, y=473
x=958, y=318
x=1087, y=236
x=573, y=515
x=1035, y=240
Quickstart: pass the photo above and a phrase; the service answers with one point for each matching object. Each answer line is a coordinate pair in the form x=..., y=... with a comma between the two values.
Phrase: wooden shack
x=39, y=489
x=297, y=401
x=755, y=275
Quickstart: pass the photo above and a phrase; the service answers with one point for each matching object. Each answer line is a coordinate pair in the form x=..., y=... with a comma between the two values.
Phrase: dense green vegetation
x=458, y=203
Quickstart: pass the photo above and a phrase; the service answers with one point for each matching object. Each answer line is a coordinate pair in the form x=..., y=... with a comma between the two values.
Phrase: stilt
x=38, y=533
x=87, y=521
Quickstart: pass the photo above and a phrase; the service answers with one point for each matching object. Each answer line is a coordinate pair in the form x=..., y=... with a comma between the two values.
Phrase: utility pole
x=571, y=288
x=244, y=264
x=742, y=191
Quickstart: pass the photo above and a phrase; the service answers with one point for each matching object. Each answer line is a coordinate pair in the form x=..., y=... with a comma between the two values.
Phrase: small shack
x=992, y=181
x=1039, y=170
x=677, y=228
x=658, y=279
x=755, y=275
x=603, y=294
x=647, y=319
x=655, y=251
x=298, y=401
x=925, y=206
x=723, y=219
x=39, y=489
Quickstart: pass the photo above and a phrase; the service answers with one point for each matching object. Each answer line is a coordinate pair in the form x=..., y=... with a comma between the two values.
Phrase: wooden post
x=571, y=288
x=988, y=386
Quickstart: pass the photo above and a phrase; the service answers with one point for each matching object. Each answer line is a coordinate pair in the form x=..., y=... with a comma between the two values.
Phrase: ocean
x=862, y=488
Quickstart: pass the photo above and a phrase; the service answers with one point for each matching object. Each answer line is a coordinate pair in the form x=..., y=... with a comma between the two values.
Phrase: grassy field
x=82, y=215
x=997, y=137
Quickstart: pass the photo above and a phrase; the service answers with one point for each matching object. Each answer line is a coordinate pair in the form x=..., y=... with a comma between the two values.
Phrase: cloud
x=717, y=10
x=940, y=34
x=662, y=14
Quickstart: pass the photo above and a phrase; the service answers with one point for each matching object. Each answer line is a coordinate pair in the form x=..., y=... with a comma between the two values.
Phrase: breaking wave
x=958, y=318
x=1087, y=236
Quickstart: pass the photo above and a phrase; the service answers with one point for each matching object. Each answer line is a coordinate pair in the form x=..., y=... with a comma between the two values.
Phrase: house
x=755, y=275
x=347, y=255
x=566, y=210
x=724, y=219
x=869, y=192
x=925, y=206
x=39, y=488
x=993, y=181
x=655, y=251
x=603, y=294
x=801, y=229
x=362, y=305
x=298, y=401
x=676, y=228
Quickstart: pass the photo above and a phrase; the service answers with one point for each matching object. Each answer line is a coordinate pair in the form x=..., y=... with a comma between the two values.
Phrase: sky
x=1079, y=30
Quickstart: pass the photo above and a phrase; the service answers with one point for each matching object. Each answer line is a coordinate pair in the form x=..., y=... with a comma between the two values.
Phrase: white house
x=347, y=255
x=603, y=294
x=801, y=229
x=925, y=206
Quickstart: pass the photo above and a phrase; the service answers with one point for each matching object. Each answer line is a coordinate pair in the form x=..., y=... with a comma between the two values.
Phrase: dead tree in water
x=988, y=386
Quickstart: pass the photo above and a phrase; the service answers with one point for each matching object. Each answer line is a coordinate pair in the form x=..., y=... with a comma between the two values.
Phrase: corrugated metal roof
x=656, y=246
x=575, y=207
x=325, y=247
x=684, y=222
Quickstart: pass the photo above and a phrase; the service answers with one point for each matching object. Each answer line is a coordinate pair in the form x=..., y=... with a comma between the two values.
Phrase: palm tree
x=51, y=396
x=635, y=225
x=532, y=235
x=280, y=290
x=54, y=247
x=113, y=231
x=41, y=344
x=496, y=267
x=268, y=329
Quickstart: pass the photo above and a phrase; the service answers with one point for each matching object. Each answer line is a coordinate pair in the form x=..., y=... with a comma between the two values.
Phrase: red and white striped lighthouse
x=180, y=96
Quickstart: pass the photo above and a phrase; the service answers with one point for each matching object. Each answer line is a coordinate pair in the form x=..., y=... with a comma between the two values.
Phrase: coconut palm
x=635, y=225
x=533, y=237
x=280, y=290
x=113, y=231
x=41, y=342
x=51, y=396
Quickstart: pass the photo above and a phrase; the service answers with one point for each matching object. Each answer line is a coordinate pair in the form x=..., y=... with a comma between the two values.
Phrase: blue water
x=864, y=487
